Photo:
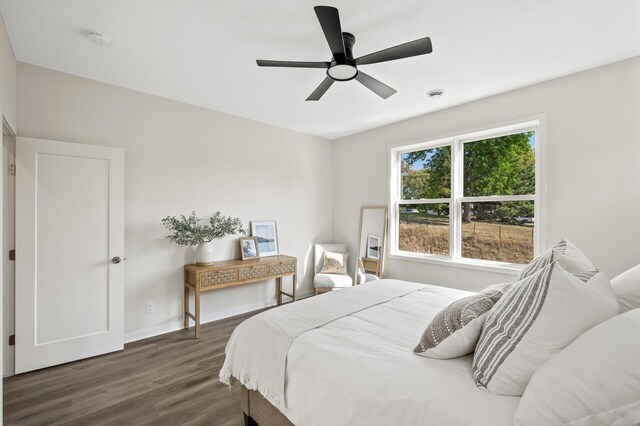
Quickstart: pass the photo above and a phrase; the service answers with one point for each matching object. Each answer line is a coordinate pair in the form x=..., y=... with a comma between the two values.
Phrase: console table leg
x=186, y=306
x=295, y=281
x=279, y=289
x=197, y=315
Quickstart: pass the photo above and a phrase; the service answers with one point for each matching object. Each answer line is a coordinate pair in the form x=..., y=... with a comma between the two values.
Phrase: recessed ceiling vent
x=98, y=39
x=436, y=93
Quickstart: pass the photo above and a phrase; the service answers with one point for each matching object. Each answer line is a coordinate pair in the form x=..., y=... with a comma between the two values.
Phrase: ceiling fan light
x=342, y=72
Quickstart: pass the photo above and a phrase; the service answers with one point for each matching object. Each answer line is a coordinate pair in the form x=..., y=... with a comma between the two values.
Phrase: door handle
x=116, y=259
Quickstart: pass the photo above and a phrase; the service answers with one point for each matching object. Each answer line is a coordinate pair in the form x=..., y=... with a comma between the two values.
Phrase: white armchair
x=329, y=282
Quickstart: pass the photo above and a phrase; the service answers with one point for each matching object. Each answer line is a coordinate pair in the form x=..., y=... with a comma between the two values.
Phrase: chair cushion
x=370, y=277
x=365, y=277
x=332, y=280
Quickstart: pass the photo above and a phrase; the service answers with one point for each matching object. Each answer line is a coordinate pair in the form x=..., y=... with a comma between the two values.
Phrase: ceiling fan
x=343, y=67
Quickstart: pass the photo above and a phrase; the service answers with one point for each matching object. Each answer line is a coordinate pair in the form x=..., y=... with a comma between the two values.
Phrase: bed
x=345, y=358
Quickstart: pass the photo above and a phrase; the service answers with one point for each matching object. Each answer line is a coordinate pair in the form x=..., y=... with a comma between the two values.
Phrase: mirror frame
x=383, y=254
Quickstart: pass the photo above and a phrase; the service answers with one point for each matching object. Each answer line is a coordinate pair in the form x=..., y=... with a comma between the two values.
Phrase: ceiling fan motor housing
x=344, y=68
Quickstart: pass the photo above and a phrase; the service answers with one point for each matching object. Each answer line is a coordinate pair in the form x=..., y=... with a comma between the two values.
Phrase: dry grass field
x=480, y=240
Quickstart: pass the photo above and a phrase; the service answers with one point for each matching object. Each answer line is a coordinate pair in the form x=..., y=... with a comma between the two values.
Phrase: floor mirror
x=372, y=237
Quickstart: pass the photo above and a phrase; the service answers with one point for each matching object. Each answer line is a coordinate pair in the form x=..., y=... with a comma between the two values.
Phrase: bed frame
x=258, y=411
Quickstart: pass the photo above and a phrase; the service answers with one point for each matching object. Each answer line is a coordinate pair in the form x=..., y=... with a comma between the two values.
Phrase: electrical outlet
x=149, y=308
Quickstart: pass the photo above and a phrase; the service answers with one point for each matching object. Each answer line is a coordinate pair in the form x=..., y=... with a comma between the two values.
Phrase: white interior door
x=69, y=247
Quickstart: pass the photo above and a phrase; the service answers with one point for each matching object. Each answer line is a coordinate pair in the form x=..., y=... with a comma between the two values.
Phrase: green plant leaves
x=192, y=230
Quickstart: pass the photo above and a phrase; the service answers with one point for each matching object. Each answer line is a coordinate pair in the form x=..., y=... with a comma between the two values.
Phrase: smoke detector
x=98, y=39
x=435, y=93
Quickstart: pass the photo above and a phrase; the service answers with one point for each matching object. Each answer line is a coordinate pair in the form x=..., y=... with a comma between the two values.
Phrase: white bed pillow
x=594, y=381
x=455, y=330
x=567, y=254
x=626, y=286
x=535, y=319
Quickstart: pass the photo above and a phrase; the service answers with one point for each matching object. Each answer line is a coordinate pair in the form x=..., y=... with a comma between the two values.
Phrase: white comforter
x=258, y=349
x=358, y=368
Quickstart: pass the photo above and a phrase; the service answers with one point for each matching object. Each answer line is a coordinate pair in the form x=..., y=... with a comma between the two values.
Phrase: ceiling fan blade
x=421, y=46
x=330, y=23
x=292, y=64
x=320, y=90
x=376, y=86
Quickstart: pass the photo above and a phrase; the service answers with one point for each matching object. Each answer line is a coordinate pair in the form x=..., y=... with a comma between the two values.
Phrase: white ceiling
x=203, y=52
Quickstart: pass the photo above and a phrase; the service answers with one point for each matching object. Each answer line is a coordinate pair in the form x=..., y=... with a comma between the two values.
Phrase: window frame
x=456, y=142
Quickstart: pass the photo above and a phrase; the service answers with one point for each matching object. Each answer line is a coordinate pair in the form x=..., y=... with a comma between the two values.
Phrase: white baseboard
x=213, y=316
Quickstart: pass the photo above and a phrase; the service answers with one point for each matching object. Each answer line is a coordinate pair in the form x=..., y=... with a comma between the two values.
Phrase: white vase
x=204, y=253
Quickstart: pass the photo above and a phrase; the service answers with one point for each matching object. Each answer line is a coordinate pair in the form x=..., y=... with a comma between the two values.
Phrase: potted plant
x=194, y=231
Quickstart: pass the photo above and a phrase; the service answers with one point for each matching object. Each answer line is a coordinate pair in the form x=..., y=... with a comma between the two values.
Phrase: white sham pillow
x=455, y=330
x=626, y=286
x=535, y=319
x=593, y=381
x=567, y=254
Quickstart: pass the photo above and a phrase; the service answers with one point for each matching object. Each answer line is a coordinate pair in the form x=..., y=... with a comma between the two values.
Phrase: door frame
x=7, y=132
x=6, y=129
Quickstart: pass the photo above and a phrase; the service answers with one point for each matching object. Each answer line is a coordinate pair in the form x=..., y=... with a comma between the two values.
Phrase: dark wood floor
x=166, y=380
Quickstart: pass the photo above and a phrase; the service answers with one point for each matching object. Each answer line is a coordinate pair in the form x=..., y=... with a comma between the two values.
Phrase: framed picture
x=373, y=246
x=249, y=248
x=266, y=235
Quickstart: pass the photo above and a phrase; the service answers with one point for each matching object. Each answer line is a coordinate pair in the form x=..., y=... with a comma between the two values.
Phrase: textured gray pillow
x=567, y=254
x=455, y=330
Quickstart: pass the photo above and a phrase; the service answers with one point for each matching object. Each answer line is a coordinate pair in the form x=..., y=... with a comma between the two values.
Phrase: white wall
x=592, y=167
x=181, y=158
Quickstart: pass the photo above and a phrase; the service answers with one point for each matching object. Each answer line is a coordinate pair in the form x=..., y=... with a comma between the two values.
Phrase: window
x=468, y=199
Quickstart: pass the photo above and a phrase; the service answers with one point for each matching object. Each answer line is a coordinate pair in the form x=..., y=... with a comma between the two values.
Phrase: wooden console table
x=229, y=273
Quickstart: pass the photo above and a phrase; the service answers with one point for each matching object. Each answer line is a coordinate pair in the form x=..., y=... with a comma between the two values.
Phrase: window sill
x=497, y=267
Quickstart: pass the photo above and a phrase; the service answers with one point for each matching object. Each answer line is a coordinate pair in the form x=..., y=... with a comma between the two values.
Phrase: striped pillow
x=537, y=318
x=455, y=330
x=567, y=254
